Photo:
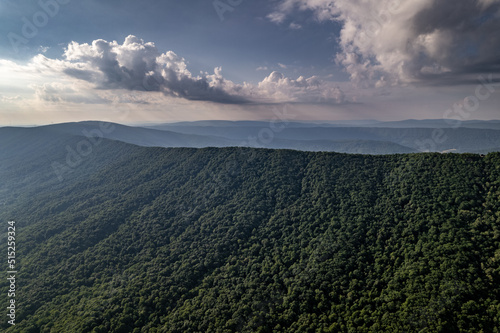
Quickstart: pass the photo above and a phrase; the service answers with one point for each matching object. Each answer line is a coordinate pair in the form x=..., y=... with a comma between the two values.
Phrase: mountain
x=408, y=123
x=296, y=135
x=431, y=136
x=343, y=146
x=439, y=123
x=95, y=131
x=140, y=136
x=148, y=239
x=262, y=123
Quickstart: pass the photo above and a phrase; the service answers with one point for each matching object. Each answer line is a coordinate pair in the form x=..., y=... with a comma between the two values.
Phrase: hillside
x=34, y=160
x=373, y=140
x=406, y=136
x=372, y=147
x=252, y=240
x=142, y=136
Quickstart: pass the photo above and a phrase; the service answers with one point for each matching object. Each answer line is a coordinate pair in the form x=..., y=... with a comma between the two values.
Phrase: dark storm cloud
x=388, y=42
x=471, y=27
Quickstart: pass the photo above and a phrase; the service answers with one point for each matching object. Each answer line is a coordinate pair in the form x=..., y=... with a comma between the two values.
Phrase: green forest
x=253, y=240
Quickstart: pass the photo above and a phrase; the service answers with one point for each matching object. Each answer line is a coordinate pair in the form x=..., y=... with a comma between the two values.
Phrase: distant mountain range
x=409, y=123
x=355, y=137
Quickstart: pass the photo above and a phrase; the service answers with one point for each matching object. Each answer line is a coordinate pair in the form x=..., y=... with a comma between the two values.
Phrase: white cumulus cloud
x=136, y=65
x=310, y=90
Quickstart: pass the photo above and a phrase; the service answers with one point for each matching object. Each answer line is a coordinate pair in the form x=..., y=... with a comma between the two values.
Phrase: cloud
x=282, y=66
x=276, y=17
x=262, y=68
x=58, y=92
x=43, y=49
x=295, y=26
x=388, y=42
x=310, y=90
x=136, y=65
x=139, y=66
x=10, y=99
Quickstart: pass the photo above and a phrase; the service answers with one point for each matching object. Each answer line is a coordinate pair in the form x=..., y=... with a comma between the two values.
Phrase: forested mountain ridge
x=252, y=240
x=34, y=160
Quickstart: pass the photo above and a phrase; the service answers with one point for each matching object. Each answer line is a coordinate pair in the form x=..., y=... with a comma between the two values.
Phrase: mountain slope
x=141, y=136
x=344, y=146
x=236, y=239
x=40, y=159
x=298, y=136
x=409, y=123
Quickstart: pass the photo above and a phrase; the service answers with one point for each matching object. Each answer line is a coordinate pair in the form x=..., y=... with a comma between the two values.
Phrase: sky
x=164, y=61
